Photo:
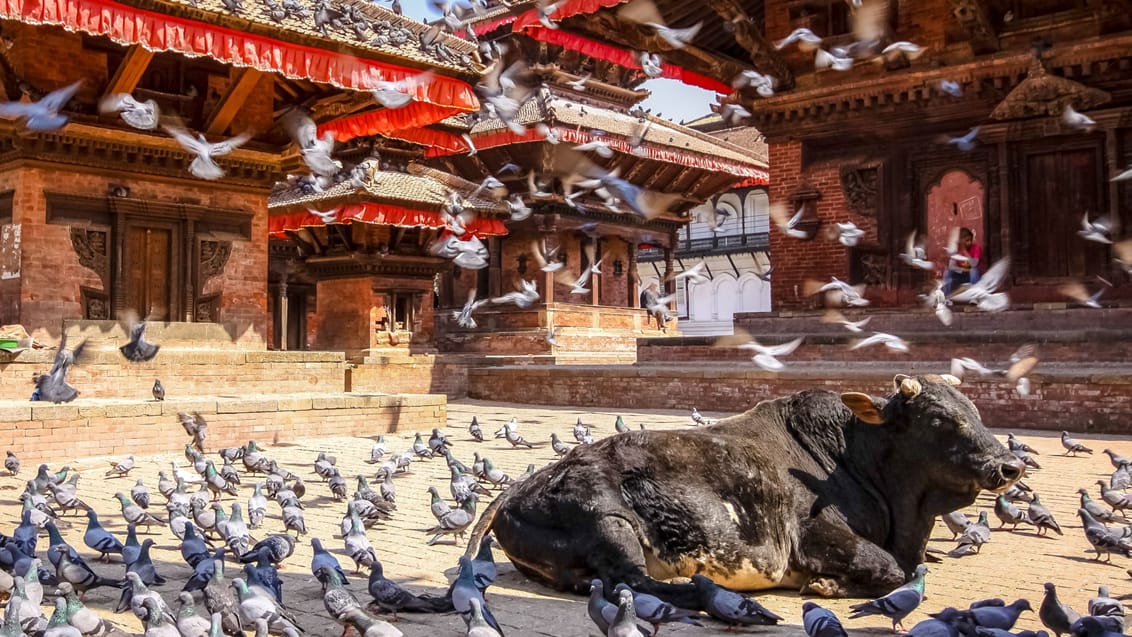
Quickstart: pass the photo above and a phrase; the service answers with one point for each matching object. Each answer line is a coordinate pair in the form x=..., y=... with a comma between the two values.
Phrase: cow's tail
x=484, y=525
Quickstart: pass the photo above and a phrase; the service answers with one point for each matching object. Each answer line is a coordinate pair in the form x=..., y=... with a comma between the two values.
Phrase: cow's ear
x=866, y=408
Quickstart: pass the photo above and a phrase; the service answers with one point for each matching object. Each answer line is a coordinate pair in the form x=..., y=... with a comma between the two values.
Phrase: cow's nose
x=1012, y=470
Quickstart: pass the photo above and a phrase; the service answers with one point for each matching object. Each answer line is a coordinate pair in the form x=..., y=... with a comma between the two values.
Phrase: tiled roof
x=661, y=132
x=356, y=23
x=422, y=187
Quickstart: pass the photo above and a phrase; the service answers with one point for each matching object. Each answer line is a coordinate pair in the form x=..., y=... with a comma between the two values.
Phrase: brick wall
x=1078, y=402
x=422, y=374
x=39, y=432
x=344, y=309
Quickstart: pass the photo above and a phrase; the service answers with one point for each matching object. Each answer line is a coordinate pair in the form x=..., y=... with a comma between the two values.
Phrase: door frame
x=177, y=275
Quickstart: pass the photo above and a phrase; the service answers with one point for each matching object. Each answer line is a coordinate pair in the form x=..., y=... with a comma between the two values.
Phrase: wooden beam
x=974, y=17
x=130, y=71
x=243, y=82
x=747, y=35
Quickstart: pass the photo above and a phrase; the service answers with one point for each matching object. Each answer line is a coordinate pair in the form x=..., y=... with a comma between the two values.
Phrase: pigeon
x=44, y=114
x=894, y=343
x=1072, y=446
x=316, y=151
x=1098, y=230
x=697, y=419
x=806, y=39
x=121, y=469
x=98, y=538
x=847, y=234
x=965, y=143
x=254, y=608
x=389, y=595
x=655, y=611
x=998, y=617
x=973, y=537
x=1007, y=513
x=1077, y=121
x=53, y=386
x=1055, y=615
x=956, y=522
x=1014, y=444
x=730, y=607
x=1117, y=500
x=158, y=390
x=203, y=165
x=828, y=60
x=916, y=255
x=821, y=622
x=767, y=356
x=478, y=625
x=897, y=604
x=950, y=87
x=1094, y=509
x=1041, y=517
x=456, y=522
x=1105, y=541
x=400, y=93
x=463, y=590
x=1103, y=605
x=624, y=623
x=139, y=350
x=141, y=115
x=12, y=464
x=788, y=225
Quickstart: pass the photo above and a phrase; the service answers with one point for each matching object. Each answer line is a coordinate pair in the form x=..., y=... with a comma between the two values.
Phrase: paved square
x=1013, y=564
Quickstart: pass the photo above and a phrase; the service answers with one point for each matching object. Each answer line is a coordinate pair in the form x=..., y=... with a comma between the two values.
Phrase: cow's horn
x=908, y=386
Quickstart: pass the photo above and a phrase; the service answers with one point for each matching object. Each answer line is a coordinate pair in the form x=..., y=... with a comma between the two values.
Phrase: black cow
x=834, y=493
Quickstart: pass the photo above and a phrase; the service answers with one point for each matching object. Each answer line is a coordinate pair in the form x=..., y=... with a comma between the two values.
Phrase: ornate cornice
x=357, y=264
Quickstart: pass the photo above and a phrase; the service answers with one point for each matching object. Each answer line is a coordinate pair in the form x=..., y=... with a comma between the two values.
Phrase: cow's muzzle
x=1006, y=474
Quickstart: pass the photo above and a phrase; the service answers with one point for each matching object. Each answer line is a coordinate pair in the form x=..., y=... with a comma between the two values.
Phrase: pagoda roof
x=386, y=197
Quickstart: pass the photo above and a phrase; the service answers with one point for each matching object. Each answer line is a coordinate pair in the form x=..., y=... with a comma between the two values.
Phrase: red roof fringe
x=382, y=214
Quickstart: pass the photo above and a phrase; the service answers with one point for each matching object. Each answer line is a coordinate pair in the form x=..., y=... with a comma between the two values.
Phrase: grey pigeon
x=998, y=617
x=483, y=564
x=1094, y=509
x=475, y=431
x=141, y=115
x=598, y=607
x=391, y=596
x=139, y=350
x=973, y=537
x=44, y=114
x=158, y=390
x=323, y=559
x=1055, y=615
x=463, y=591
x=625, y=623
x=1121, y=478
x=1104, y=605
x=98, y=538
x=1105, y=541
x=656, y=611
x=140, y=494
x=821, y=622
x=1115, y=499
x=1041, y=517
x=1115, y=458
x=558, y=446
x=956, y=522
x=53, y=386
x=477, y=625
x=730, y=607
x=1072, y=446
x=1017, y=445
x=1007, y=513
x=456, y=522
x=899, y=603
x=12, y=464
x=1093, y=627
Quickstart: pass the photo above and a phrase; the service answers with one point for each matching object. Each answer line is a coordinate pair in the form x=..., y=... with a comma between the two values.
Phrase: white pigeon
x=909, y=50
x=733, y=114
x=519, y=210
x=767, y=356
x=1124, y=176
x=915, y=255
x=472, y=254
x=463, y=317
x=203, y=166
x=960, y=366
x=141, y=115
x=1077, y=292
x=550, y=337
x=315, y=150
x=526, y=296
x=697, y=418
x=399, y=94
x=1077, y=121
x=650, y=63
x=894, y=343
x=580, y=83
x=838, y=292
x=950, y=87
x=806, y=39
x=982, y=293
x=546, y=260
x=789, y=226
x=694, y=274
x=833, y=316
x=938, y=302
x=44, y=114
x=824, y=60
x=598, y=146
x=1097, y=230
x=676, y=38
x=847, y=234
x=965, y=143
x=328, y=217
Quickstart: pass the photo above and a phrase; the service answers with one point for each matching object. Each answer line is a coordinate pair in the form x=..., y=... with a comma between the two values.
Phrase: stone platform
x=39, y=431
x=1011, y=565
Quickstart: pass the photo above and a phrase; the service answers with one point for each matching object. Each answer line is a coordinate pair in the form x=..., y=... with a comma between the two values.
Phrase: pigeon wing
x=230, y=144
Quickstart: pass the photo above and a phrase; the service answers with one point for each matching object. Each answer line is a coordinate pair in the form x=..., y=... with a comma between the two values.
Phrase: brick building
x=99, y=218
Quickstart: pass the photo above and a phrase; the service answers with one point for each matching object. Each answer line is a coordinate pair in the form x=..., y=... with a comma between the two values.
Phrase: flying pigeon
x=44, y=114
x=141, y=115
x=203, y=165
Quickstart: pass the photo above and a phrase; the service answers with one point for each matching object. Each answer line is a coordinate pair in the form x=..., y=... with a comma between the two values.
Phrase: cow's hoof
x=824, y=586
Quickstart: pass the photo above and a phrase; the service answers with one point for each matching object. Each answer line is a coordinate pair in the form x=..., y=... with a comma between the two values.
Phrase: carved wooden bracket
x=861, y=186
x=765, y=57
x=212, y=257
x=92, y=247
x=974, y=17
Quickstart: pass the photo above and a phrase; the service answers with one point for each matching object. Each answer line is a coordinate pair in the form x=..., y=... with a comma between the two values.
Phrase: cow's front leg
x=841, y=563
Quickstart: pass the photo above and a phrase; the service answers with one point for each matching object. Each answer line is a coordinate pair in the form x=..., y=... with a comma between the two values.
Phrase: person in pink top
x=963, y=266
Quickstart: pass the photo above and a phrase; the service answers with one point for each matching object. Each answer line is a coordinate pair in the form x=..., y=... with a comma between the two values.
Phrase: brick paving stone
x=1013, y=564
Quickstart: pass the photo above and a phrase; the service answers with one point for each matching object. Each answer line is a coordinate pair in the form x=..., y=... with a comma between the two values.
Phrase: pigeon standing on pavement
x=12, y=464
x=956, y=522
x=158, y=390
x=730, y=607
x=899, y=603
x=475, y=431
x=1007, y=513
x=697, y=418
x=625, y=622
x=1072, y=446
x=1116, y=459
x=973, y=537
x=1105, y=541
x=1041, y=517
x=1104, y=605
x=1055, y=615
x=821, y=622
x=1094, y=509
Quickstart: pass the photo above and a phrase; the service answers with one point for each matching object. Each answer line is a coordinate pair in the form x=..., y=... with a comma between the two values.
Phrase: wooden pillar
x=188, y=299
x=633, y=282
x=281, y=309
x=595, y=279
x=1113, y=167
x=495, y=267
x=118, y=274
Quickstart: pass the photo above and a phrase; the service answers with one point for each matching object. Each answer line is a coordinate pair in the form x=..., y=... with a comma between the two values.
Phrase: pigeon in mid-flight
x=44, y=114
x=139, y=350
x=141, y=115
x=203, y=165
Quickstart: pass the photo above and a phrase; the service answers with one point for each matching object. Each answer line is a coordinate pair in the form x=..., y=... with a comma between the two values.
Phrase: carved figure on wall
x=213, y=257
x=861, y=185
x=91, y=247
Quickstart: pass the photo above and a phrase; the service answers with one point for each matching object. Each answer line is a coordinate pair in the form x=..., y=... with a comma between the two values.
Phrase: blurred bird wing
x=230, y=144
x=1075, y=291
x=784, y=349
x=953, y=240
x=779, y=213
x=56, y=100
x=641, y=11
x=301, y=128
x=996, y=275
x=1123, y=251
x=187, y=140
x=1021, y=368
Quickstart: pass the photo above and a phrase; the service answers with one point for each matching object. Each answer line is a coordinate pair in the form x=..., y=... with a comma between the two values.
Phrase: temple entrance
x=1061, y=187
x=151, y=288
x=955, y=202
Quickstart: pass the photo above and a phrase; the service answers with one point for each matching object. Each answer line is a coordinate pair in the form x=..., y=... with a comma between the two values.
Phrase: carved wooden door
x=149, y=270
x=1061, y=187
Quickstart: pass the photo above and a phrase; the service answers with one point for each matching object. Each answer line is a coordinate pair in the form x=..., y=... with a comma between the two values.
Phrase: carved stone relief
x=92, y=247
x=861, y=185
x=212, y=259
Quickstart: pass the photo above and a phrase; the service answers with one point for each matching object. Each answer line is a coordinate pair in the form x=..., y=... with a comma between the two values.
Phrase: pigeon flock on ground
x=235, y=548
